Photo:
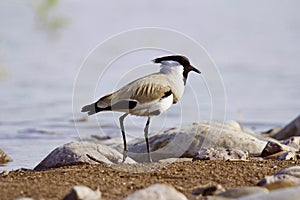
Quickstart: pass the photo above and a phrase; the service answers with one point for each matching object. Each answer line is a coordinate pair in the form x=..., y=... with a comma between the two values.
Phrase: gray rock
x=242, y=191
x=4, y=158
x=157, y=192
x=221, y=154
x=186, y=141
x=292, y=129
x=286, y=193
x=271, y=132
x=292, y=142
x=81, y=152
x=293, y=171
x=291, y=174
x=83, y=193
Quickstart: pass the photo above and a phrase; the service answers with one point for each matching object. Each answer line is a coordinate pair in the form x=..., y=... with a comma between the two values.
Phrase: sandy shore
x=116, y=184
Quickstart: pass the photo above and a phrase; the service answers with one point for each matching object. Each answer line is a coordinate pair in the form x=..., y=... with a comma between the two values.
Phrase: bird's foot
x=149, y=158
x=124, y=155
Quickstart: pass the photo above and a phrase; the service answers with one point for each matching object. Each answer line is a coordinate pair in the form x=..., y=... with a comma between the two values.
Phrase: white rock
x=221, y=154
x=186, y=141
x=288, y=156
x=157, y=192
x=83, y=193
x=81, y=152
x=234, y=125
x=291, y=193
x=291, y=174
x=292, y=129
x=293, y=142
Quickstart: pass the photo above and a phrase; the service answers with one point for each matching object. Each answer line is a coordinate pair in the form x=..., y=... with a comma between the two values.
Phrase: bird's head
x=177, y=60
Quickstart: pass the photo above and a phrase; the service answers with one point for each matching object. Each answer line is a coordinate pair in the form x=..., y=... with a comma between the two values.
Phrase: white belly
x=154, y=107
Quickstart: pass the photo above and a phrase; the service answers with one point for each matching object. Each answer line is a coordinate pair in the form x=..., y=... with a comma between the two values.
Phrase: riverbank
x=117, y=184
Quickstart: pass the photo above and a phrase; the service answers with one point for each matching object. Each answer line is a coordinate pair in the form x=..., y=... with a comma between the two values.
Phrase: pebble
x=157, y=192
x=4, y=158
x=208, y=190
x=5, y=173
x=83, y=193
x=221, y=154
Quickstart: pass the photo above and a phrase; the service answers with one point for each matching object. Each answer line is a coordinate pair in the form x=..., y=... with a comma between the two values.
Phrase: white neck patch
x=170, y=63
x=171, y=67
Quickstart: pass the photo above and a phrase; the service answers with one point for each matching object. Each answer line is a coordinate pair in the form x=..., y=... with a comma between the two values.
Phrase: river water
x=44, y=43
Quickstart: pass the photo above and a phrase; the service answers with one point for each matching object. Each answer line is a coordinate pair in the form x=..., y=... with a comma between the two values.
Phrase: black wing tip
x=89, y=109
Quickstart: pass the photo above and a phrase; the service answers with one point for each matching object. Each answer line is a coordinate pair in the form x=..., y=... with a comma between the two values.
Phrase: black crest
x=184, y=61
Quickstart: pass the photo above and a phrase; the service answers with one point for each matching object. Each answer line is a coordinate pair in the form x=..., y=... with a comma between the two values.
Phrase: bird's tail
x=91, y=109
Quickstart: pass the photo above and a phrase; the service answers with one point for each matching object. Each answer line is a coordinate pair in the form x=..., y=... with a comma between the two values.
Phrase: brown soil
x=116, y=184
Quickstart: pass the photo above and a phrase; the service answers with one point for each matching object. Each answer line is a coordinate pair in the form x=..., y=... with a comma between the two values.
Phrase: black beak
x=194, y=69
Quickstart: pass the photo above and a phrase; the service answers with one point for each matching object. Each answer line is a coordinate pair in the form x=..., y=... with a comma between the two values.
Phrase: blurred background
x=255, y=45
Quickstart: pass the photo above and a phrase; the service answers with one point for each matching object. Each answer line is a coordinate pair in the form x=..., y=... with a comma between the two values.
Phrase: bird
x=147, y=96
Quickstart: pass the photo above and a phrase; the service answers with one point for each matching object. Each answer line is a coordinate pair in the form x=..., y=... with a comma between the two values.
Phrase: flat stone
x=157, y=192
x=221, y=154
x=83, y=193
x=171, y=160
x=279, y=185
x=292, y=129
x=81, y=152
x=187, y=141
x=4, y=158
x=291, y=193
x=242, y=191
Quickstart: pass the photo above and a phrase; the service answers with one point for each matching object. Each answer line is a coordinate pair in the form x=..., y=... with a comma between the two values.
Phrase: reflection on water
x=255, y=49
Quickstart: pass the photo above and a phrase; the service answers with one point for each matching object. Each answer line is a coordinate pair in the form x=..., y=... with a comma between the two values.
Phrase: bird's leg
x=147, y=140
x=121, y=119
